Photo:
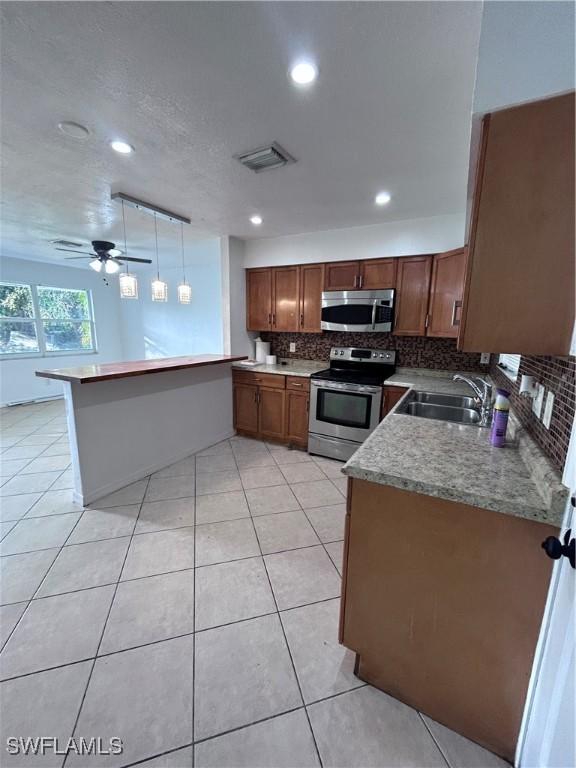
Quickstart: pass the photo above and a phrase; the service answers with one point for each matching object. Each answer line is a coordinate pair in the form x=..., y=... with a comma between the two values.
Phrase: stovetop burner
x=354, y=365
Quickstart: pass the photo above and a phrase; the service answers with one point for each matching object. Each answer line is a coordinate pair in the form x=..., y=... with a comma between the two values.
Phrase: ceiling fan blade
x=73, y=258
x=140, y=261
x=71, y=250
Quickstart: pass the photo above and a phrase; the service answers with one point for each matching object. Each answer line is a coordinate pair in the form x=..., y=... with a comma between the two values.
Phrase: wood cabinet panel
x=446, y=293
x=378, y=274
x=341, y=275
x=311, y=287
x=519, y=293
x=461, y=615
x=246, y=408
x=271, y=423
x=286, y=298
x=258, y=299
x=412, y=288
x=391, y=396
x=297, y=404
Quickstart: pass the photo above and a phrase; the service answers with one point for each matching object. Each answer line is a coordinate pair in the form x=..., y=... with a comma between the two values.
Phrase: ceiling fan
x=105, y=256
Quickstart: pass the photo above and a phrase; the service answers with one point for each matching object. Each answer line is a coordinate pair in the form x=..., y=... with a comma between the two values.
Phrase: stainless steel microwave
x=361, y=311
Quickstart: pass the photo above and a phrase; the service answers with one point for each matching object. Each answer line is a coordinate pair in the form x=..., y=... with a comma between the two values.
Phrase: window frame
x=39, y=321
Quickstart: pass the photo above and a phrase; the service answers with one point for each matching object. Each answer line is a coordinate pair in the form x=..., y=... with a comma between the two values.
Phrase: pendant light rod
x=124, y=227
x=156, y=236
x=182, y=243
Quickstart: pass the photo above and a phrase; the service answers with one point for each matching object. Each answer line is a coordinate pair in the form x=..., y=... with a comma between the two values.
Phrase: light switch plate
x=547, y=418
x=538, y=400
x=484, y=358
x=292, y=346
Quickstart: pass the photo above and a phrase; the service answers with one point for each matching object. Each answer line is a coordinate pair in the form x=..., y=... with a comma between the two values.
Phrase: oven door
x=360, y=311
x=348, y=411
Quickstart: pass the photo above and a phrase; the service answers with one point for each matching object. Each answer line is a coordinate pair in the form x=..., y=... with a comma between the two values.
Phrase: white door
x=548, y=733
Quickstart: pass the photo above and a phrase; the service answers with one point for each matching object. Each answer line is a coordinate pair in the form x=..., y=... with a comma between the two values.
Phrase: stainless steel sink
x=430, y=405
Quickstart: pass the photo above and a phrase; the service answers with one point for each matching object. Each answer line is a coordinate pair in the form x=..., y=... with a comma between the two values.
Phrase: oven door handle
x=336, y=387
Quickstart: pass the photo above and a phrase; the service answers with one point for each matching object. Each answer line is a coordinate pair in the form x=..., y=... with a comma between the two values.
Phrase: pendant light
x=128, y=282
x=184, y=289
x=159, y=287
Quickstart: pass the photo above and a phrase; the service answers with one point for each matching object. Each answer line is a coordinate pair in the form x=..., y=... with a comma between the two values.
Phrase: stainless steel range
x=346, y=399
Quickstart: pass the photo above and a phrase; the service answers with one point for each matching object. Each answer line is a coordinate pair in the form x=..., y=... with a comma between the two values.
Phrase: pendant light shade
x=128, y=283
x=159, y=287
x=128, y=286
x=184, y=290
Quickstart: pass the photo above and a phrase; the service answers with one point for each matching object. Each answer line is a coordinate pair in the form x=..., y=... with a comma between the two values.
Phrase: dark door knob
x=555, y=549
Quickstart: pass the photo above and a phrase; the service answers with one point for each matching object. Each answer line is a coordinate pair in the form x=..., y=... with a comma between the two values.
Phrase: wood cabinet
x=258, y=299
x=378, y=274
x=341, y=275
x=519, y=294
x=412, y=288
x=311, y=287
x=446, y=293
x=373, y=274
x=390, y=396
x=452, y=607
x=285, y=298
x=271, y=406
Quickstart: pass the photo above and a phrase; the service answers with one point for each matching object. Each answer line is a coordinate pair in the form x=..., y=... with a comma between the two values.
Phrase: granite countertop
x=456, y=462
x=293, y=367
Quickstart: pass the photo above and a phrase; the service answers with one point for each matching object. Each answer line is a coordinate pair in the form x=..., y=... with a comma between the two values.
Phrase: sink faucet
x=483, y=392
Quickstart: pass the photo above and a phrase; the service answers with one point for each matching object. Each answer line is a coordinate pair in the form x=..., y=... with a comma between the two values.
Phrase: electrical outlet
x=538, y=400
x=292, y=346
x=485, y=358
x=547, y=418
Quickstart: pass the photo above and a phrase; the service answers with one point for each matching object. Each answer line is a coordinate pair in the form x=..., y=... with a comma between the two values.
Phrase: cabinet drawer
x=298, y=383
x=270, y=380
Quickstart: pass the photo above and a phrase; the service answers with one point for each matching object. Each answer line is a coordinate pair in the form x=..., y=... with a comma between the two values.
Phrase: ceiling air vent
x=66, y=244
x=265, y=158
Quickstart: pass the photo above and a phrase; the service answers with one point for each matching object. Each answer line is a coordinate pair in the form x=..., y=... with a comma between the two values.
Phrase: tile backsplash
x=412, y=351
x=556, y=374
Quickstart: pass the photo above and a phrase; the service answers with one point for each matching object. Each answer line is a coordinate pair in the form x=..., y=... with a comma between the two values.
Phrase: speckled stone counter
x=292, y=368
x=457, y=462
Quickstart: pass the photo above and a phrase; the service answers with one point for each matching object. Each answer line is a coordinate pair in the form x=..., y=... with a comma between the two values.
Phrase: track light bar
x=140, y=205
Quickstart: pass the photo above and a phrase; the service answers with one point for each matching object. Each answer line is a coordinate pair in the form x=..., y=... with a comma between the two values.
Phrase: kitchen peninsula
x=129, y=419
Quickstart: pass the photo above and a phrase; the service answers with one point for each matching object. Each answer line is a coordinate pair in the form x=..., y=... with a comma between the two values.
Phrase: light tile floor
x=192, y=614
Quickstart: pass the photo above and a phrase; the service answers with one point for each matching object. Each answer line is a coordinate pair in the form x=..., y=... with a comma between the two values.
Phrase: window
x=39, y=320
x=509, y=364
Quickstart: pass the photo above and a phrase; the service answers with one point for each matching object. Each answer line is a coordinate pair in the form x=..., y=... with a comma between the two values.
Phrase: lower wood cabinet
x=272, y=407
x=390, y=396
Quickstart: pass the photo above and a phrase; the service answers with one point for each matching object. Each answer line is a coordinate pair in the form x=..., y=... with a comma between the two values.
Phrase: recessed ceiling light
x=304, y=73
x=121, y=146
x=382, y=198
x=73, y=130
x=256, y=220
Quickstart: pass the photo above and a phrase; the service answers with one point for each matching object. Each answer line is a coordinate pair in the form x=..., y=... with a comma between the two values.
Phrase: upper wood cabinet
x=519, y=294
x=285, y=298
x=412, y=287
x=446, y=292
x=341, y=275
x=378, y=274
x=373, y=274
x=258, y=299
x=311, y=285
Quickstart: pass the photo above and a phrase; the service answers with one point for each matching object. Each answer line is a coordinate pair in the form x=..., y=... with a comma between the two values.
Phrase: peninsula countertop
x=85, y=374
x=456, y=462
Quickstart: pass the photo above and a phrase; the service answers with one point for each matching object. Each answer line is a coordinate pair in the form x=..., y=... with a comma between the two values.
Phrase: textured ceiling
x=192, y=84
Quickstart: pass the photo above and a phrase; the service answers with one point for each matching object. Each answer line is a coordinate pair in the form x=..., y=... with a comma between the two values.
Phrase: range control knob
x=374, y=354
x=341, y=351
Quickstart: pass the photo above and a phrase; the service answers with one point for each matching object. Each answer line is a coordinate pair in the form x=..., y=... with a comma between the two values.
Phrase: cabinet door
x=258, y=299
x=271, y=413
x=341, y=275
x=446, y=291
x=412, y=287
x=285, y=298
x=378, y=274
x=391, y=396
x=246, y=408
x=311, y=285
x=519, y=293
x=297, y=417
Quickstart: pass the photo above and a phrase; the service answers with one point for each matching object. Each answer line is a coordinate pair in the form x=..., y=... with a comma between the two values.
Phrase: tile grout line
x=284, y=633
x=95, y=659
x=427, y=727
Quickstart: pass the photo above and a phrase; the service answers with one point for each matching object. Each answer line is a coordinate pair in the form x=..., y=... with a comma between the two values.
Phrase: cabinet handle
x=360, y=281
x=256, y=396
x=294, y=384
x=302, y=318
x=427, y=321
x=355, y=281
x=307, y=405
x=269, y=318
x=455, y=306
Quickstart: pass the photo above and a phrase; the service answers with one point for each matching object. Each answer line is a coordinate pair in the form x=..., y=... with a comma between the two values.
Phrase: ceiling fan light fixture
x=159, y=290
x=96, y=265
x=111, y=266
x=128, y=286
x=184, y=293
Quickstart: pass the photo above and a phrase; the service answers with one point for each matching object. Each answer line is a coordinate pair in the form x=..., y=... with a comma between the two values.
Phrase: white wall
x=396, y=238
x=526, y=53
x=237, y=340
x=152, y=329
x=18, y=381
